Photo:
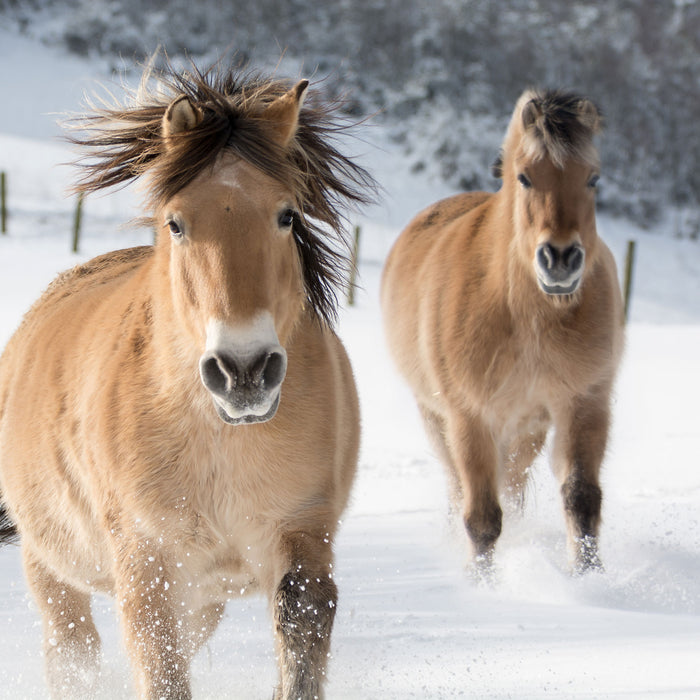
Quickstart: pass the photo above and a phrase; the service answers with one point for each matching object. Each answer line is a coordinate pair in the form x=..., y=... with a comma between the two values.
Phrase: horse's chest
x=223, y=565
x=221, y=546
x=234, y=498
x=522, y=378
x=221, y=523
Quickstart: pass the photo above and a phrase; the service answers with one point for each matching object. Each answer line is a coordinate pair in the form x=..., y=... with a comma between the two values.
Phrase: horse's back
x=426, y=229
x=63, y=304
x=415, y=256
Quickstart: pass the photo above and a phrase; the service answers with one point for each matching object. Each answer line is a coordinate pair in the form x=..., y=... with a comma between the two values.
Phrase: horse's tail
x=8, y=530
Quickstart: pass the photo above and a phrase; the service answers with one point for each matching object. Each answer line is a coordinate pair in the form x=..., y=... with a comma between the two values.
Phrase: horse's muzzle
x=245, y=390
x=559, y=270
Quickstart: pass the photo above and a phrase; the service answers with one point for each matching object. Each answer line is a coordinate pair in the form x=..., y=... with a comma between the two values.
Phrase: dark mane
x=8, y=530
x=123, y=142
x=560, y=125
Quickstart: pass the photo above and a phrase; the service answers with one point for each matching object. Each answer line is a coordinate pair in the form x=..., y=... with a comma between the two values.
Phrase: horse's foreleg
x=436, y=429
x=303, y=609
x=200, y=624
x=517, y=459
x=475, y=458
x=152, y=631
x=71, y=641
x=579, y=447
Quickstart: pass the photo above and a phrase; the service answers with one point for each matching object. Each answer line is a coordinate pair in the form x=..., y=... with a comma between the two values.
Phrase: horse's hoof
x=587, y=557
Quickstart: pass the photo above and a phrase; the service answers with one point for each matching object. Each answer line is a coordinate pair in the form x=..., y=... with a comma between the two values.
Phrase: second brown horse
x=503, y=312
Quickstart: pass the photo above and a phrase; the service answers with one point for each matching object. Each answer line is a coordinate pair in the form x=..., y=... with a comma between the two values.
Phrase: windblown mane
x=553, y=123
x=8, y=530
x=123, y=142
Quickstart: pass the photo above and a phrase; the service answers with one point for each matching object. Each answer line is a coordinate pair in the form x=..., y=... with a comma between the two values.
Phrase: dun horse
x=178, y=423
x=503, y=312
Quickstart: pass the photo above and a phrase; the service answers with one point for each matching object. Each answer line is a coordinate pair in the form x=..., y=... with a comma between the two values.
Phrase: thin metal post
x=353, y=266
x=77, y=222
x=629, y=268
x=3, y=202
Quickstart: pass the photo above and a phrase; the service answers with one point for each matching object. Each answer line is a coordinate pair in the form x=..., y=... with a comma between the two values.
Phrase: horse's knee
x=304, y=610
x=200, y=626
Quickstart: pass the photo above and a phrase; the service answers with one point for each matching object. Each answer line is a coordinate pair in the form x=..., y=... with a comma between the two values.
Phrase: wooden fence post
x=3, y=202
x=77, y=222
x=353, y=266
x=629, y=267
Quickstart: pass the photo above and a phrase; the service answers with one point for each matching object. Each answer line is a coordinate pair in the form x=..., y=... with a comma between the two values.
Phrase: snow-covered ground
x=411, y=623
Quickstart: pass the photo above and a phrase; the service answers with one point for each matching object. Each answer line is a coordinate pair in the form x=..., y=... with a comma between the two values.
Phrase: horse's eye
x=523, y=180
x=593, y=182
x=174, y=227
x=286, y=218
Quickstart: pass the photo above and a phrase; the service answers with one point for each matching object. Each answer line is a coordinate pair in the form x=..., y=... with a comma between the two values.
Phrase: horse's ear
x=180, y=116
x=589, y=115
x=283, y=113
x=531, y=113
x=497, y=166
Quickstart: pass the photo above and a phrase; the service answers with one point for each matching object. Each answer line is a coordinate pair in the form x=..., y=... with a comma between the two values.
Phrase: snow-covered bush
x=446, y=74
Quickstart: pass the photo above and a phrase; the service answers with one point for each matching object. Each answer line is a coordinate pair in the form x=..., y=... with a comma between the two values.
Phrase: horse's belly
x=231, y=569
x=220, y=584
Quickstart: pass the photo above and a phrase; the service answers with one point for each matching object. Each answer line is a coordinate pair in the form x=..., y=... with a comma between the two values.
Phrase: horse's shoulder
x=438, y=228
x=97, y=271
x=602, y=298
x=83, y=277
x=109, y=264
x=602, y=286
x=448, y=210
x=607, y=263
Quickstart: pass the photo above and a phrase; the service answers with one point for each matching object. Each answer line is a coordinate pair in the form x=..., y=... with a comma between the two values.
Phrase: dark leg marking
x=484, y=527
x=304, y=610
x=582, y=503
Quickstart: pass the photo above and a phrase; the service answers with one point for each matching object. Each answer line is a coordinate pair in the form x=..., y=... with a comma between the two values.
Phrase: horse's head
x=235, y=271
x=246, y=189
x=550, y=169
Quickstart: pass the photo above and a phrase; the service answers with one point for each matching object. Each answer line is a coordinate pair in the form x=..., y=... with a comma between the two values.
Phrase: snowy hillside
x=423, y=66
x=411, y=623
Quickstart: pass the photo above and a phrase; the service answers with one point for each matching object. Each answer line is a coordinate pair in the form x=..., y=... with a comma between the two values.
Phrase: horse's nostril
x=547, y=256
x=274, y=370
x=218, y=375
x=572, y=258
x=269, y=369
